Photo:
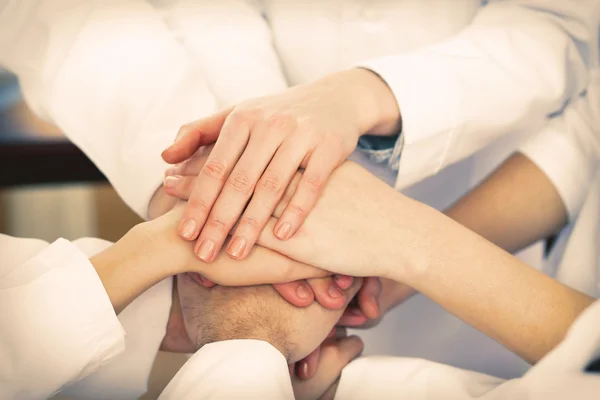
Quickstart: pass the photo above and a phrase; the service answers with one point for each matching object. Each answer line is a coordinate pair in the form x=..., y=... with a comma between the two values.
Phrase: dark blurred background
x=49, y=189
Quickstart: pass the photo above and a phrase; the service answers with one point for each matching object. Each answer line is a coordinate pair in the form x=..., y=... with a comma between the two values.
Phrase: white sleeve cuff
x=144, y=157
x=233, y=369
x=568, y=149
x=384, y=377
x=126, y=377
x=58, y=322
x=552, y=152
x=421, y=91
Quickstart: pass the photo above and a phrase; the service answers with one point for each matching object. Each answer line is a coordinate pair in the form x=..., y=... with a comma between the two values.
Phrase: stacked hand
x=261, y=143
x=327, y=290
x=375, y=297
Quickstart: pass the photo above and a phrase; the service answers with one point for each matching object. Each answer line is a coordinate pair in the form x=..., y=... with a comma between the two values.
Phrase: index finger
x=213, y=175
x=194, y=135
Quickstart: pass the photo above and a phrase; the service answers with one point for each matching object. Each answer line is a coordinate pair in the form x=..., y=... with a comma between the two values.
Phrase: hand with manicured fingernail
x=316, y=376
x=374, y=299
x=264, y=266
x=260, y=144
x=328, y=291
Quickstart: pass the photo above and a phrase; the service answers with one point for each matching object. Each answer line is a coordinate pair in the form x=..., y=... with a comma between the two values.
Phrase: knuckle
x=199, y=205
x=251, y=223
x=269, y=183
x=314, y=183
x=307, y=127
x=215, y=169
x=281, y=122
x=296, y=210
x=240, y=182
x=184, y=129
x=218, y=225
x=243, y=115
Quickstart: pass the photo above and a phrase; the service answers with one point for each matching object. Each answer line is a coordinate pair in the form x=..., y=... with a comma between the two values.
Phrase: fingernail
x=303, y=292
x=171, y=181
x=196, y=276
x=356, y=311
x=343, y=281
x=283, y=231
x=237, y=246
x=334, y=291
x=304, y=368
x=375, y=304
x=206, y=250
x=188, y=229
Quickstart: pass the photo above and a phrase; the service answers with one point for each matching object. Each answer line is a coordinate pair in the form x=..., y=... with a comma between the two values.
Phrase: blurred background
x=49, y=189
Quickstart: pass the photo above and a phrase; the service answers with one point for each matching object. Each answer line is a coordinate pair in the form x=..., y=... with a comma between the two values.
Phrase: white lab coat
x=568, y=151
x=122, y=100
x=438, y=74
x=60, y=333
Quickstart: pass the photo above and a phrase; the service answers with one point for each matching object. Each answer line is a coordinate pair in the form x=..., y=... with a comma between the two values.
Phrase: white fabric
x=58, y=325
x=60, y=333
x=568, y=151
x=230, y=42
x=459, y=95
x=560, y=375
x=112, y=76
x=233, y=369
x=347, y=33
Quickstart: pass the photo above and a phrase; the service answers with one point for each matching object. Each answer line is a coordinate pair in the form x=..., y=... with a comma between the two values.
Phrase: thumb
x=368, y=297
x=335, y=355
x=194, y=135
x=348, y=349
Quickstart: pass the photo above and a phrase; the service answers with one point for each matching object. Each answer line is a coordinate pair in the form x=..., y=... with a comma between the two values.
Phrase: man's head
x=257, y=312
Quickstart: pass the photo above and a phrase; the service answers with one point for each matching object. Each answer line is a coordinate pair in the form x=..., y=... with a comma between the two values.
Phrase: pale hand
x=261, y=143
x=337, y=351
x=351, y=230
x=177, y=257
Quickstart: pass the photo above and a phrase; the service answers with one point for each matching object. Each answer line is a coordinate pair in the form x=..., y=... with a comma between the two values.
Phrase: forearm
x=131, y=266
x=520, y=307
x=514, y=207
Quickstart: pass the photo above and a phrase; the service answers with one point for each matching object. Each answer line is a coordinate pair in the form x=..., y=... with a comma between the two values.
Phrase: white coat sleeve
x=231, y=42
x=567, y=150
x=58, y=324
x=144, y=321
x=59, y=329
x=516, y=63
x=558, y=376
x=232, y=369
x=112, y=76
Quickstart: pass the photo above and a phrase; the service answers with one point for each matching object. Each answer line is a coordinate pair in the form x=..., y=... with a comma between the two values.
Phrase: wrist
x=128, y=267
x=376, y=105
x=406, y=254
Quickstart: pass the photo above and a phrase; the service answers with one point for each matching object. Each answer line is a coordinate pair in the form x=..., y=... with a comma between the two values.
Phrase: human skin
x=152, y=251
x=400, y=239
x=328, y=291
x=261, y=143
x=254, y=312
